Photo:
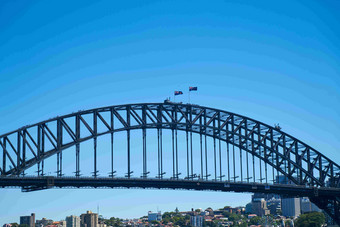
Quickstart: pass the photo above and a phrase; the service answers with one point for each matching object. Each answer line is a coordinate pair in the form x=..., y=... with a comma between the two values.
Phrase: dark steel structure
x=235, y=153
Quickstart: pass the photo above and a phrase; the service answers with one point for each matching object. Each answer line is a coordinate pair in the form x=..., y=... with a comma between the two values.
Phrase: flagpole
x=189, y=96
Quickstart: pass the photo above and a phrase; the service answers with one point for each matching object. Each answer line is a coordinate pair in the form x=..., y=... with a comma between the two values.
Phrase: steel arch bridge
x=234, y=153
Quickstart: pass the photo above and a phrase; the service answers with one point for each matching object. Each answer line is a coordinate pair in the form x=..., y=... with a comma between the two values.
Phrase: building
x=59, y=223
x=308, y=206
x=274, y=206
x=43, y=222
x=210, y=211
x=72, y=221
x=89, y=219
x=290, y=207
x=196, y=220
x=28, y=220
x=7, y=225
x=250, y=216
x=249, y=208
x=62, y=223
x=235, y=210
x=281, y=179
x=259, y=207
x=154, y=216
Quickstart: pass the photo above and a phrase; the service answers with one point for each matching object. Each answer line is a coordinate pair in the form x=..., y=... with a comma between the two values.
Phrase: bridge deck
x=38, y=183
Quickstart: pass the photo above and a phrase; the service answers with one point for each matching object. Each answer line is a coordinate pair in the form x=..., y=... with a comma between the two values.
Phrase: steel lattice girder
x=251, y=135
x=300, y=163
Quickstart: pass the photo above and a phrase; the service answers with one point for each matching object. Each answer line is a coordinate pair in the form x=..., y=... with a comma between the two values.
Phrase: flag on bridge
x=178, y=93
x=192, y=88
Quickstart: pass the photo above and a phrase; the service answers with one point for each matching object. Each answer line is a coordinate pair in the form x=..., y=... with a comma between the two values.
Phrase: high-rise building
x=259, y=207
x=274, y=205
x=196, y=220
x=72, y=221
x=89, y=219
x=249, y=208
x=281, y=179
x=290, y=207
x=28, y=220
x=308, y=206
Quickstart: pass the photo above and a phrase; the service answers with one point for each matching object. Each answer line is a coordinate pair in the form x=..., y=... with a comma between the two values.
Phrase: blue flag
x=192, y=88
x=178, y=93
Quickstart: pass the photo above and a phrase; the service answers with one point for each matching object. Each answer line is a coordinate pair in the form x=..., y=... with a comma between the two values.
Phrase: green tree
x=154, y=222
x=288, y=223
x=113, y=222
x=166, y=215
x=176, y=210
x=24, y=225
x=226, y=214
x=209, y=223
x=255, y=220
x=313, y=219
x=243, y=224
x=166, y=220
x=234, y=217
x=179, y=220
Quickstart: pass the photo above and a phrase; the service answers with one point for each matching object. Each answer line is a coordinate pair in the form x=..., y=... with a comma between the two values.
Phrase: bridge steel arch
x=300, y=164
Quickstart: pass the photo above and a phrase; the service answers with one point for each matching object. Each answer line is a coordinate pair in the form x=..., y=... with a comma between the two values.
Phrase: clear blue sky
x=275, y=61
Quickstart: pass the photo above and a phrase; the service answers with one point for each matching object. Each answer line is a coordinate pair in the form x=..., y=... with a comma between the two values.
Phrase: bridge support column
x=145, y=173
x=228, y=157
x=19, y=150
x=128, y=142
x=173, y=153
x=112, y=138
x=331, y=205
x=187, y=143
x=77, y=119
x=95, y=171
x=42, y=150
x=4, y=155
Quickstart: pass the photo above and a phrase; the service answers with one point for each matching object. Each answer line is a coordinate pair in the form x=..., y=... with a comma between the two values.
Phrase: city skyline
x=274, y=62
x=264, y=206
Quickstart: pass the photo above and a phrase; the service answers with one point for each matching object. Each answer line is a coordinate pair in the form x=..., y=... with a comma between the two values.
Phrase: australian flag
x=192, y=88
x=178, y=93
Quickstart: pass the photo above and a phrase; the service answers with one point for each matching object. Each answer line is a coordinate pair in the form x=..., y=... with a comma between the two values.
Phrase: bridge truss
x=245, y=154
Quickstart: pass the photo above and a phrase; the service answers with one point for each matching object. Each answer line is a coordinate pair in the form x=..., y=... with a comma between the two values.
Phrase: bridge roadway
x=31, y=183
